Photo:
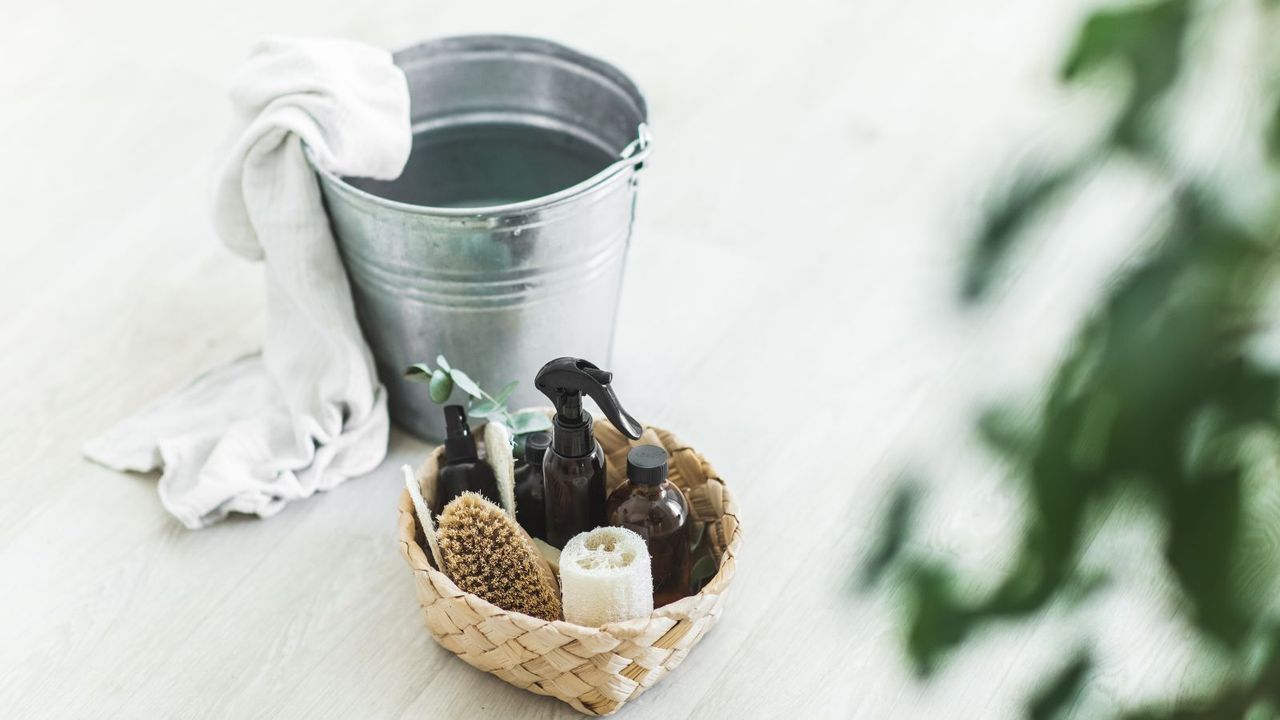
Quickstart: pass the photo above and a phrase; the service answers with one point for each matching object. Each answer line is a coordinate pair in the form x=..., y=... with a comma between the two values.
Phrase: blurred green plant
x=442, y=380
x=1159, y=392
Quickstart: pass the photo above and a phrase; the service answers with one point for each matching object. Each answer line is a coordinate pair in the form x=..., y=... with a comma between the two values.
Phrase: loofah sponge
x=606, y=577
x=486, y=553
x=497, y=447
x=424, y=514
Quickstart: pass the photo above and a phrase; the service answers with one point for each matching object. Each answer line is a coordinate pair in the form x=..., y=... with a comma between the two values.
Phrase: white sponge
x=606, y=577
x=424, y=515
x=497, y=448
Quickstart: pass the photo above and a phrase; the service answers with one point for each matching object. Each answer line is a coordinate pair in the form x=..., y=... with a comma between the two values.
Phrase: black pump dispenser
x=573, y=469
x=458, y=442
x=462, y=469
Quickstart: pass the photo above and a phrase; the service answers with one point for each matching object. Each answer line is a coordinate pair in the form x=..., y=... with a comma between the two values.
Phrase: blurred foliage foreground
x=1162, y=392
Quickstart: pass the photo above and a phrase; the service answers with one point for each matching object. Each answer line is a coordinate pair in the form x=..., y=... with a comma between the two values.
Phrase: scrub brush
x=486, y=553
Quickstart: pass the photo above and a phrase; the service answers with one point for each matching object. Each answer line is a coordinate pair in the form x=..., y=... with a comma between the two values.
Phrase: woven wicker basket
x=595, y=670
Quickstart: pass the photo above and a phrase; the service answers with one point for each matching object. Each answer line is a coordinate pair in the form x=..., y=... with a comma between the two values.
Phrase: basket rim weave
x=606, y=677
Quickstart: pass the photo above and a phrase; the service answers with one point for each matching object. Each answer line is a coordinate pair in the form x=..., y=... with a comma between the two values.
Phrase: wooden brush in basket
x=595, y=670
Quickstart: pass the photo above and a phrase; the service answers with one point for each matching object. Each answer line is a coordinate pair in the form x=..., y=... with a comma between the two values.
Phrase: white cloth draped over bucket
x=309, y=412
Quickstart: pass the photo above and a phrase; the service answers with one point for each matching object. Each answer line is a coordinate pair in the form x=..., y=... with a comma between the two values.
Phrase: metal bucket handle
x=634, y=154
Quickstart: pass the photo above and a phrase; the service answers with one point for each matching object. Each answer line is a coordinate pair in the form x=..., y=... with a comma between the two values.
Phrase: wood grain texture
x=800, y=234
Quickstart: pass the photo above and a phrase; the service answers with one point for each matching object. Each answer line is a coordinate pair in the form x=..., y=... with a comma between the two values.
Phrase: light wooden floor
x=801, y=231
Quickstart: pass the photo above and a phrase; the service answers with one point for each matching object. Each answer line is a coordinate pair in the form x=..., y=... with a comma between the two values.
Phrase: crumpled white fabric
x=309, y=412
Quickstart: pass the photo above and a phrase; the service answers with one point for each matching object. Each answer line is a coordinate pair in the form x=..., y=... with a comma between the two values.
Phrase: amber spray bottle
x=657, y=511
x=573, y=469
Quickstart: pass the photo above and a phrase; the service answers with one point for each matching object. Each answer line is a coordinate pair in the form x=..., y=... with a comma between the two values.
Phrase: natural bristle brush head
x=486, y=553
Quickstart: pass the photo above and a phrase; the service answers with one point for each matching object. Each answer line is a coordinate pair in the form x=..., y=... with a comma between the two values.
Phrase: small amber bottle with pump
x=462, y=470
x=657, y=511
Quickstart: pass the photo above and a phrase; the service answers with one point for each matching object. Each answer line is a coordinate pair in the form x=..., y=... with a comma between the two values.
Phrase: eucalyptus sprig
x=442, y=379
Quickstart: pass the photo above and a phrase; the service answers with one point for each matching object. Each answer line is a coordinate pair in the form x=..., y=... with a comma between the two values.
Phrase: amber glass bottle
x=658, y=511
x=531, y=508
x=462, y=470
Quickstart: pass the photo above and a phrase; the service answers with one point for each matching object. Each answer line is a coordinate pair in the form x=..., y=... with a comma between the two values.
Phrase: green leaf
x=702, y=571
x=893, y=537
x=441, y=387
x=1054, y=698
x=484, y=409
x=938, y=621
x=1003, y=225
x=418, y=372
x=1146, y=41
x=465, y=382
x=505, y=392
x=1202, y=546
x=444, y=364
x=527, y=421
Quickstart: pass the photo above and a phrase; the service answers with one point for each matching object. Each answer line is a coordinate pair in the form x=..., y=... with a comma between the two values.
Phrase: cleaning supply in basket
x=658, y=512
x=606, y=577
x=530, y=507
x=497, y=448
x=486, y=553
x=463, y=470
x=597, y=670
x=548, y=553
x=574, y=467
x=425, y=522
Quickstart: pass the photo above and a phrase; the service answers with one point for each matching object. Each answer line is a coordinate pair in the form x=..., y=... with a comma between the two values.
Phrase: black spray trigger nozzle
x=565, y=380
x=620, y=418
x=604, y=377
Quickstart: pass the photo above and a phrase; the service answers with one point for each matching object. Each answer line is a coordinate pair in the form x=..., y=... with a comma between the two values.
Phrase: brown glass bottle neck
x=649, y=489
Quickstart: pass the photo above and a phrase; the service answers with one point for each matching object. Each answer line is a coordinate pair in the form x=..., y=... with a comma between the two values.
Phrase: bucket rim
x=632, y=156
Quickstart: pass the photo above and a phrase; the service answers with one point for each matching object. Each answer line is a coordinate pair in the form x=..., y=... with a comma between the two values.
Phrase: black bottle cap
x=458, y=443
x=535, y=446
x=647, y=465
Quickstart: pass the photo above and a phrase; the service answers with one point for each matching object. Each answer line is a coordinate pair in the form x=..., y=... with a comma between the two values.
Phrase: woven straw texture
x=595, y=670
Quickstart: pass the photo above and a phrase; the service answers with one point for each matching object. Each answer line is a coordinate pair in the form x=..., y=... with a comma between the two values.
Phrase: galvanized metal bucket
x=502, y=244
